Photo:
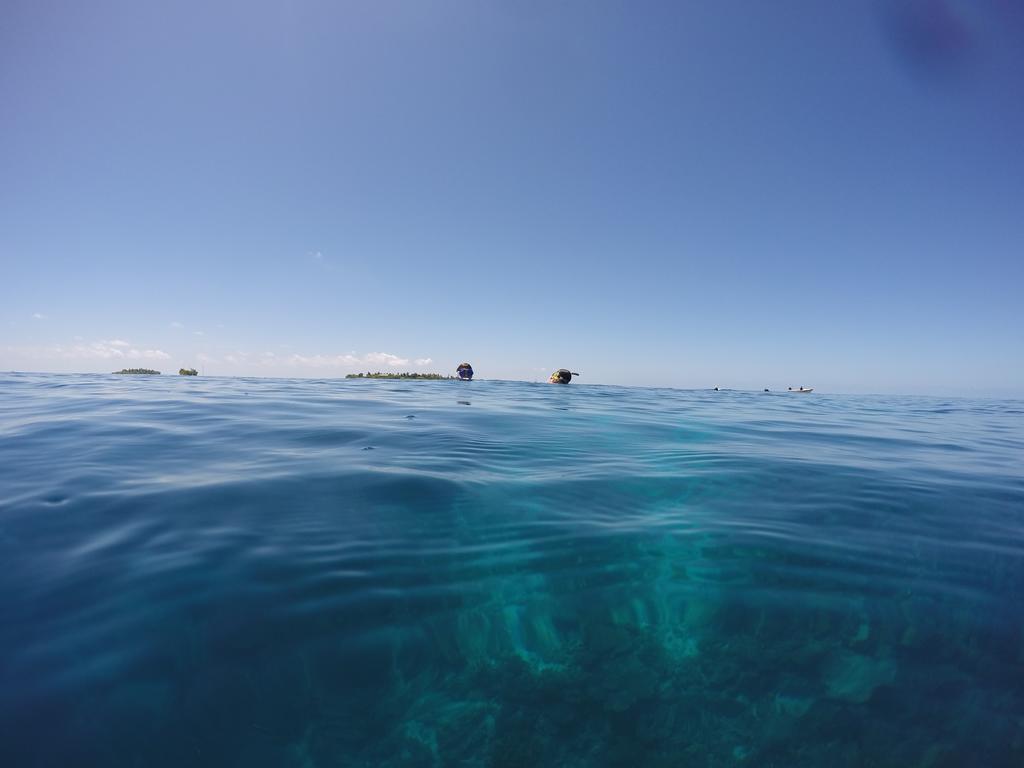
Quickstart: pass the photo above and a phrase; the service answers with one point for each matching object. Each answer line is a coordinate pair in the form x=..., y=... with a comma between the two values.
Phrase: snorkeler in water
x=465, y=371
x=562, y=376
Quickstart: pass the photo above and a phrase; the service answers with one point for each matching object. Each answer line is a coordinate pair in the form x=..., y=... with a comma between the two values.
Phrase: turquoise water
x=252, y=572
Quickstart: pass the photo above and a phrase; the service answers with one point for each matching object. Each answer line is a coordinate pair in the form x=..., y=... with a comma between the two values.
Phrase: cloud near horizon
x=120, y=349
x=351, y=360
x=106, y=349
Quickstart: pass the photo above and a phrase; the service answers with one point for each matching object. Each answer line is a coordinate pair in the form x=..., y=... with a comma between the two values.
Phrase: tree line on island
x=367, y=375
x=151, y=372
x=379, y=375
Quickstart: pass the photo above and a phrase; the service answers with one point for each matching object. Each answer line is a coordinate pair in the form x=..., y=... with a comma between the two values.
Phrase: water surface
x=253, y=572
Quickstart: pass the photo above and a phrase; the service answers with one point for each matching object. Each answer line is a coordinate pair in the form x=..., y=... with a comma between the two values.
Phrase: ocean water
x=255, y=572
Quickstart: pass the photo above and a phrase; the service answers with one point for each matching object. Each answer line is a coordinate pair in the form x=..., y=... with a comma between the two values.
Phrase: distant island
x=379, y=375
x=188, y=372
x=140, y=371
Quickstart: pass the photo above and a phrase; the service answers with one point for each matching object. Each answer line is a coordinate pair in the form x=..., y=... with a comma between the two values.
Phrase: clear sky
x=691, y=194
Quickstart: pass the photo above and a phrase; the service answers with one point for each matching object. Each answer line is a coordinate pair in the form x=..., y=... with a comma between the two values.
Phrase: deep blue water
x=252, y=572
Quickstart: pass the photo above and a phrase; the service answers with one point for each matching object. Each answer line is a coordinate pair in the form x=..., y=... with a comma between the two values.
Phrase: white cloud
x=114, y=349
x=322, y=262
x=176, y=324
x=383, y=358
x=38, y=316
x=198, y=333
x=95, y=351
x=119, y=351
x=351, y=361
x=323, y=361
x=147, y=354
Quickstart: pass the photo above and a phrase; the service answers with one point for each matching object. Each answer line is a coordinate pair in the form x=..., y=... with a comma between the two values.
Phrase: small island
x=379, y=375
x=188, y=372
x=138, y=371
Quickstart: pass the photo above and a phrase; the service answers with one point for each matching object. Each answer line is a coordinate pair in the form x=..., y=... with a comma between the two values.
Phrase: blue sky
x=686, y=194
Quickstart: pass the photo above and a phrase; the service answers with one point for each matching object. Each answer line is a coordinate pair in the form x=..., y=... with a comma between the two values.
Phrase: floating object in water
x=800, y=389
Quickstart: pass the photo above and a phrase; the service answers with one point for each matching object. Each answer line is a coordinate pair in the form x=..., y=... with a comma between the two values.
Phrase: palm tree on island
x=188, y=372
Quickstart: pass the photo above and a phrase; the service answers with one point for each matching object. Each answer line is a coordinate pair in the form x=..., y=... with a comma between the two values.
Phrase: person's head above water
x=562, y=376
x=465, y=371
